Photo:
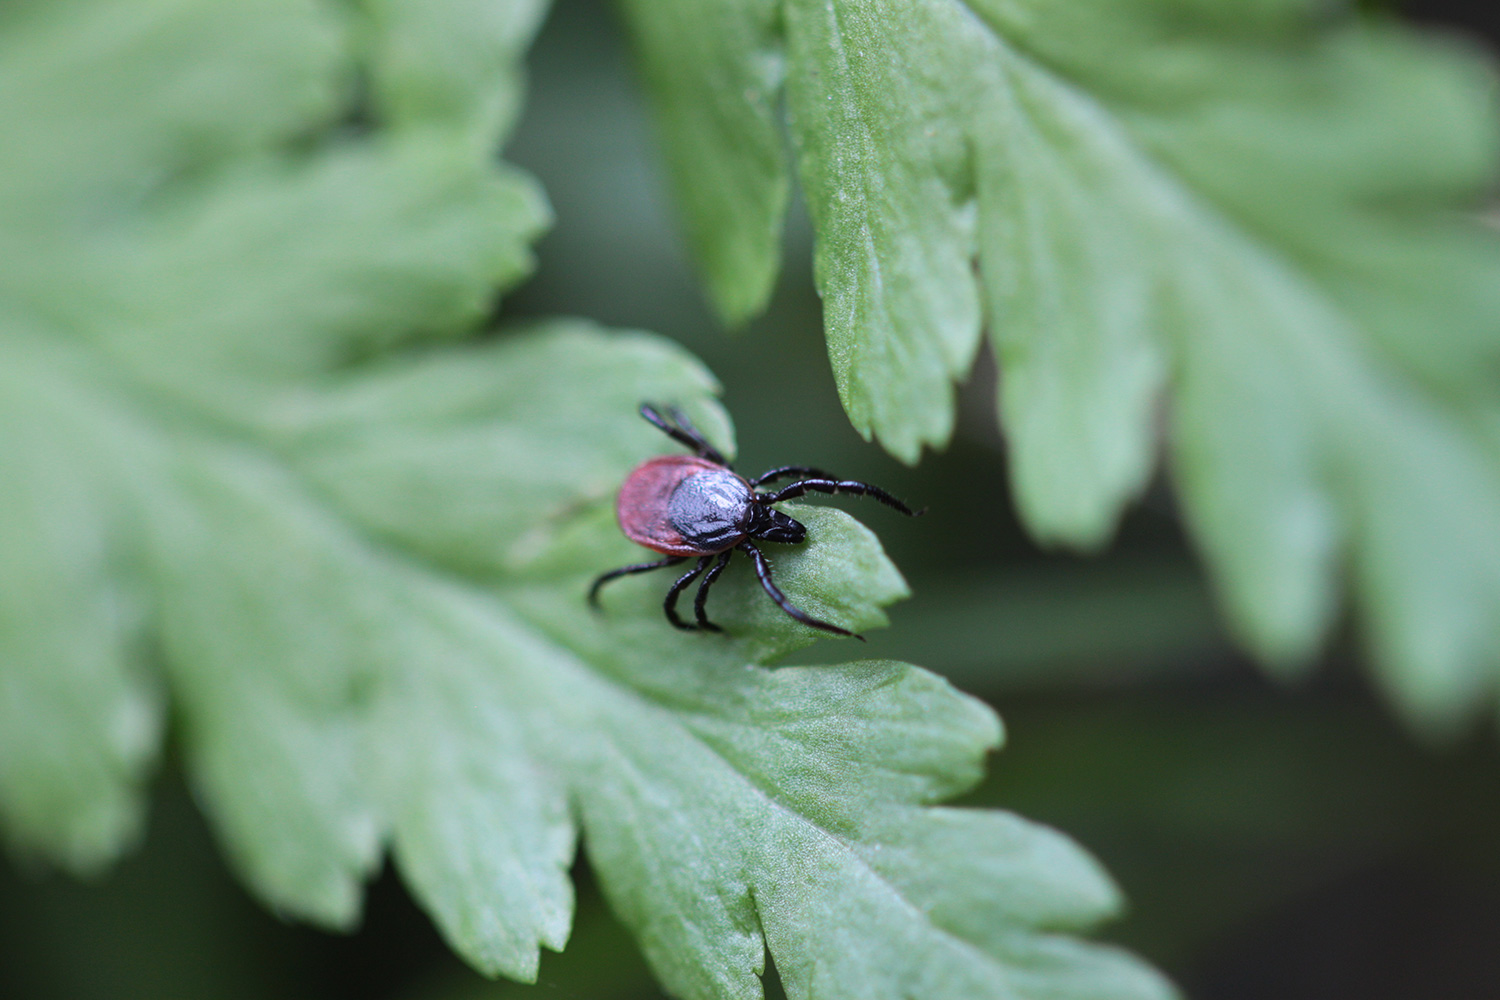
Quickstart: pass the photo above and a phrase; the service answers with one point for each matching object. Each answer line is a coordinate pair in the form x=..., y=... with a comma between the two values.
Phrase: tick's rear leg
x=700, y=602
x=615, y=574
x=670, y=604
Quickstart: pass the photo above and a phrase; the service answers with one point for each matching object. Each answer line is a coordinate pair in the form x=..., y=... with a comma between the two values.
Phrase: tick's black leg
x=834, y=486
x=615, y=574
x=782, y=471
x=763, y=571
x=701, y=600
x=682, y=431
x=670, y=604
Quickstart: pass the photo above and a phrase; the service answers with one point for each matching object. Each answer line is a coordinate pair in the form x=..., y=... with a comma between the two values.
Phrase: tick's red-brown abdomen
x=644, y=498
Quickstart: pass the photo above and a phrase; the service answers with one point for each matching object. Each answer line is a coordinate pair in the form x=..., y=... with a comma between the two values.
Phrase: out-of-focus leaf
x=79, y=717
x=166, y=250
x=716, y=74
x=455, y=63
x=103, y=102
x=1240, y=222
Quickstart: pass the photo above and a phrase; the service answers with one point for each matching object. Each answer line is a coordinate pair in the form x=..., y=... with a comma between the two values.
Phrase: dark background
x=1274, y=841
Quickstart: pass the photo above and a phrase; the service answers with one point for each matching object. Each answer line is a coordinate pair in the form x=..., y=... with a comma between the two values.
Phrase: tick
x=696, y=506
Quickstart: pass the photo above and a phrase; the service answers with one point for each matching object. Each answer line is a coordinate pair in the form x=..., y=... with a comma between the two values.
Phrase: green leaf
x=715, y=72
x=79, y=716
x=330, y=285
x=451, y=62
x=1243, y=218
x=104, y=101
x=238, y=467
x=186, y=298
